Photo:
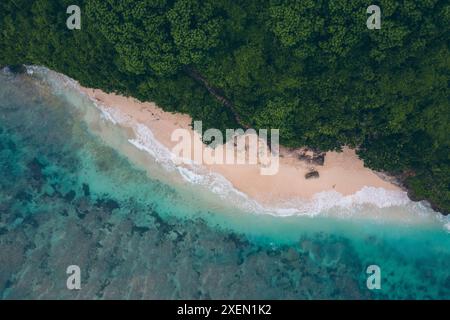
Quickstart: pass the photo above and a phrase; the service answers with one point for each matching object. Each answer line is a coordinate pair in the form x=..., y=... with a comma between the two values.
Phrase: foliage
x=308, y=67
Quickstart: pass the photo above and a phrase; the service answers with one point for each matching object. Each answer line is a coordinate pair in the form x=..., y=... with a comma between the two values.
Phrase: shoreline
x=141, y=131
x=342, y=172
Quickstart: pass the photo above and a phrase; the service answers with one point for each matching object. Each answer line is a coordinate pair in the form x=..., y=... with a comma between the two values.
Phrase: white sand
x=343, y=172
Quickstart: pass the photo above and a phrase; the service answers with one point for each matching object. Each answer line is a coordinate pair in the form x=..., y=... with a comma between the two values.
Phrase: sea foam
x=321, y=203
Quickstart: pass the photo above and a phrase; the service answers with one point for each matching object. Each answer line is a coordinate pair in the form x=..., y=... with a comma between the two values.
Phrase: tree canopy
x=308, y=67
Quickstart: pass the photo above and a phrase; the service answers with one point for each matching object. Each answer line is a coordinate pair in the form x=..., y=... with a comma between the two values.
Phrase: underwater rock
x=35, y=168
x=70, y=196
x=24, y=196
x=140, y=230
x=86, y=190
x=107, y=204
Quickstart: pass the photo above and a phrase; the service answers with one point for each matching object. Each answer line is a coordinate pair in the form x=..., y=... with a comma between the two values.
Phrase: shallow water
x=68, y=195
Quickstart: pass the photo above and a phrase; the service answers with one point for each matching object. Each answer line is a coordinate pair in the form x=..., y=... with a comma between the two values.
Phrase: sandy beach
x=342, y=172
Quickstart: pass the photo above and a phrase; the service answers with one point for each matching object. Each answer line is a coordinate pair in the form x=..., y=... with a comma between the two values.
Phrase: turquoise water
x=68, y=195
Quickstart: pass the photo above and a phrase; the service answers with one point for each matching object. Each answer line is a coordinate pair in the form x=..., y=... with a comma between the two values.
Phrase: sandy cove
x=343, y=171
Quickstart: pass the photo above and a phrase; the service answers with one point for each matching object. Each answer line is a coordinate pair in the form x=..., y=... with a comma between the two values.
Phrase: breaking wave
x=323, y=203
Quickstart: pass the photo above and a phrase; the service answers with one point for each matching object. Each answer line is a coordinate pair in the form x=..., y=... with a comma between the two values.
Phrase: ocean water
x=78, y=189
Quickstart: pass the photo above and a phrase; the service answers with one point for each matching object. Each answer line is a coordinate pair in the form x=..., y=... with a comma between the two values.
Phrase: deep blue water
x=66, y=197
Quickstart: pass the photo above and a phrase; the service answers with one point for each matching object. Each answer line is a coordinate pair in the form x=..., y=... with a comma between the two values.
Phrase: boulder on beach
x=312, y=174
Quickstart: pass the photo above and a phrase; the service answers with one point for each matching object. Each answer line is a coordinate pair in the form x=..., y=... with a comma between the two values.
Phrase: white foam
x=191, y=176
x=447, y=227
x=445, y=220
x=321, y=204
x=324, y=202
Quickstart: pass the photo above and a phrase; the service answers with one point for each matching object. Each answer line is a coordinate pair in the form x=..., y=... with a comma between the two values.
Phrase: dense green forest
x=309, y=67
